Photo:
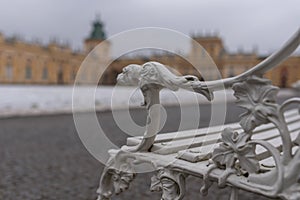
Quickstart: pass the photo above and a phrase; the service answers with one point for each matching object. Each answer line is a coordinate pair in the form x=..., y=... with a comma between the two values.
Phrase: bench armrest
x=235, y=155
x=153, y=76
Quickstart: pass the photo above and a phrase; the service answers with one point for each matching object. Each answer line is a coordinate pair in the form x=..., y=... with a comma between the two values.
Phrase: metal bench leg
x=116, y=177
x=234, y=194
x=171, y=183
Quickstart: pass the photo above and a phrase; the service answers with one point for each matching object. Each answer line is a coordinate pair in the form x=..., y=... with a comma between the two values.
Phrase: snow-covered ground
x=19, y=100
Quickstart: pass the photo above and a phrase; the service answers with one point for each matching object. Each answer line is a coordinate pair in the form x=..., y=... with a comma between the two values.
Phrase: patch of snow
x=296, y=85
x=21, y=100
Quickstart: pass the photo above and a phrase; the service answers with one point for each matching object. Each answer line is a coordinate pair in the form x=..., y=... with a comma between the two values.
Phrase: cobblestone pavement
x=42, y=158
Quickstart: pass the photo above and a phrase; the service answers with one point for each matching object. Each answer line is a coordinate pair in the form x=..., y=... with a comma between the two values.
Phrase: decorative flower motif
x=121, y=179
x=234, y=147
x=258, y=97
x=161, y=180
x=155, y=184
x=171, y=183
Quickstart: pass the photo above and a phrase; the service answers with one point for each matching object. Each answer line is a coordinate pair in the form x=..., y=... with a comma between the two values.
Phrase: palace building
x=32, y=63
x=228, y=64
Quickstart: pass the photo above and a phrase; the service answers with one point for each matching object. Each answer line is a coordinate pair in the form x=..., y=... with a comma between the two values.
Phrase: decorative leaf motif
x=121, y=178
x=235, y=147
x=117, y=175
x=155, y=184
x=171, y=183
x=121, y=182
x=248, y=160
x=258, y=97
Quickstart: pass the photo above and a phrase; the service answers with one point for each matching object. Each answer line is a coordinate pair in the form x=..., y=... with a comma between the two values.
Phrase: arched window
x=203, y=53
x=28, y=70
x=60, y=75
x=45, y=73
x=9, y=69
x=9, y=72
x=284, y=77
x=73, y=75
x=231, y=71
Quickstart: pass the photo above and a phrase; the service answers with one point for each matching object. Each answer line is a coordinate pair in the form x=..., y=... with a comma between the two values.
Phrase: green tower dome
x=97, y=31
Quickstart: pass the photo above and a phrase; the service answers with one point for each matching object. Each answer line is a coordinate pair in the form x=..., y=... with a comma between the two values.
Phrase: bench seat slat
x=197, y=145
x=275, y=142
x=291, y=115
x=177, y=145
x=200, y=153
x=268, y=161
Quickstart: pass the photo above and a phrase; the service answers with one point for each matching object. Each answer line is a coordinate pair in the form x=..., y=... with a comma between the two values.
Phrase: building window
x=231, y=72
x=73, y=75
x=203, y=53
x=60, y=75
x=9, y=72
x=45, y=73
x=28, y=72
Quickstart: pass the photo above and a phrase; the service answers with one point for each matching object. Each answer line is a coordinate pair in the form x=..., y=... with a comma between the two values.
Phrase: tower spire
x=96, y=35
x=97, y=32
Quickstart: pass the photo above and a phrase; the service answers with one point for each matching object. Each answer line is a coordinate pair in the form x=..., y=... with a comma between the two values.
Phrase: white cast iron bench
x=259, y=154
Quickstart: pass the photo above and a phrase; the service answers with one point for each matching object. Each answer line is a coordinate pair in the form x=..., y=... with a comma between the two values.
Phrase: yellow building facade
x=31, y=63
x=224, y=65
x=230, y=64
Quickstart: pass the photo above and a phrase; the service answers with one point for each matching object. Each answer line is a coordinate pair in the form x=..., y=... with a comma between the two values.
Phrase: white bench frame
x=235, y=162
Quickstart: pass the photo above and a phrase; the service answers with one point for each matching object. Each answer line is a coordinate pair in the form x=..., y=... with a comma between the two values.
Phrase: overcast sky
x=266, y=24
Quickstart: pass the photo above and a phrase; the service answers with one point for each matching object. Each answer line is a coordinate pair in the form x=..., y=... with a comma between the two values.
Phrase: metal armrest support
x=235, y=153
x=153, y=76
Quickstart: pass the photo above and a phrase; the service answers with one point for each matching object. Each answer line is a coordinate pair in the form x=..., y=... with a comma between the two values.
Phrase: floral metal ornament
x=121, y=180
x=117, y=176
x=235, y=147
x=236, y=152
x=171, y=183
x=258, y=97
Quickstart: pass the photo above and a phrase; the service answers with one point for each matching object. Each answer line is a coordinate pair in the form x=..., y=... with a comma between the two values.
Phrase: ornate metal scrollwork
x=171, y=183
x=236, y=153
x=116, y=177
x=151, y=78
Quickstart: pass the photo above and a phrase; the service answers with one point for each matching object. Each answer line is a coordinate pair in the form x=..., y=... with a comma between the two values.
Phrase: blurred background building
x=32, y=63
